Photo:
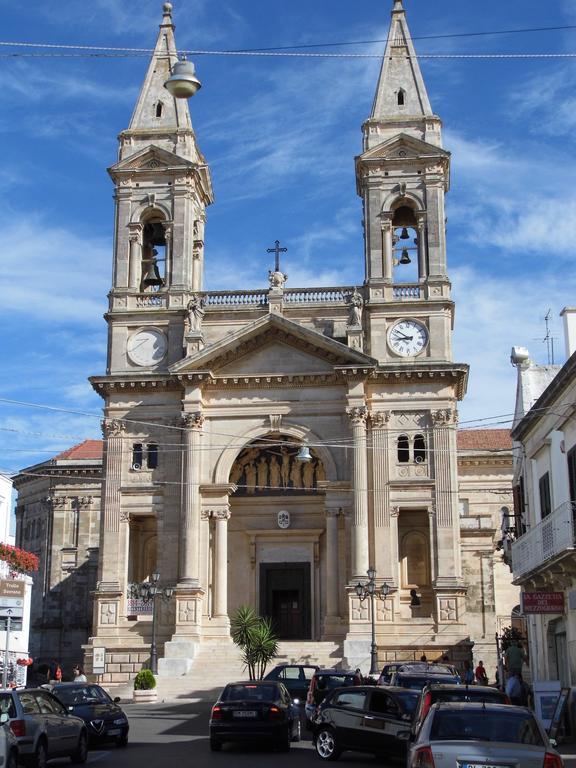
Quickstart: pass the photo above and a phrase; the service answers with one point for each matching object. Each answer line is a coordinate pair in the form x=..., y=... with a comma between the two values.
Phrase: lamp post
x=148, y=591
x=369, y=589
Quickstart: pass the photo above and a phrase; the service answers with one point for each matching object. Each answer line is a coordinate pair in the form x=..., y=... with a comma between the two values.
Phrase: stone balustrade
x=406, y=292
x=236, y=298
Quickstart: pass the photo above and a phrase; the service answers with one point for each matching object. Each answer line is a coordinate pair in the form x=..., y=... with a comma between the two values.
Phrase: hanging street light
x=368, y=589
x=183, y=83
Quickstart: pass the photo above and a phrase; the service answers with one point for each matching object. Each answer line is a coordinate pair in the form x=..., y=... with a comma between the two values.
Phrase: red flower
x=18, y=559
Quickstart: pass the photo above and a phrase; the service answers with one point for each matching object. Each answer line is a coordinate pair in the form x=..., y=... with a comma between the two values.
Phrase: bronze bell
x=405, y=258
x=404, y=235
x=152, y=276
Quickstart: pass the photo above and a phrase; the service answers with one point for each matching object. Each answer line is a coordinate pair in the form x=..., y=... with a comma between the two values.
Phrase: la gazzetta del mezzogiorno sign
x=542, y=602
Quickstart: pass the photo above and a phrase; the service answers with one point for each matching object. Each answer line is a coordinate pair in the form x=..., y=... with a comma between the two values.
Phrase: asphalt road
x=176, y=735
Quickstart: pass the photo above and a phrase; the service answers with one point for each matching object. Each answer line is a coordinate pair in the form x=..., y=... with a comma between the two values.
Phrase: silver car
x=43, y=727
x=478, y=735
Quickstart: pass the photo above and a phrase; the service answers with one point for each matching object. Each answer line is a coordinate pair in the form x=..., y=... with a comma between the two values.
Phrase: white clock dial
x=147, y=347
x=408, y=338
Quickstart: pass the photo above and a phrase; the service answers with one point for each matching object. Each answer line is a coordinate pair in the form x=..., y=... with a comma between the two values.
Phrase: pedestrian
x=423, y=658
x=79, y=676
x=468, y=673
x=480, y=674
x=514, y=657
x=54, y=672
x=514, y=689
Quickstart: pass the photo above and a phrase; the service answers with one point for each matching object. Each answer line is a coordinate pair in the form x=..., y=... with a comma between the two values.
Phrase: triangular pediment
x=276, y=346
x=151, y=157
x=404, y=147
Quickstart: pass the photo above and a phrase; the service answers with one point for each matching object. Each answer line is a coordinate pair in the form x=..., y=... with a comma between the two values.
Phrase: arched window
x=419, y=449
x=401, y=98
x=153, y=255
x=403, y=449
x=159, y=108
x=137, y=456
x=152, y=457
x=405, y=245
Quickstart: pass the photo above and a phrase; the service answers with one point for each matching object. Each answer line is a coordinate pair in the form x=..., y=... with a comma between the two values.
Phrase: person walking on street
x=514, y=689
x=514, y=657
x=468, y=673
x=480, y=674
x=79, y=676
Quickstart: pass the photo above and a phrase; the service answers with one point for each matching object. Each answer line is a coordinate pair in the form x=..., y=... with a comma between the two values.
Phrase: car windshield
x=335, y=681
x=250, y=693
x=463, y=694
x=485, y=725
x=88, y=694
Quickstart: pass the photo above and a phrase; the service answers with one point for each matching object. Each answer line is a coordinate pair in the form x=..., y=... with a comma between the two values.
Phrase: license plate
x=245, y=713
x=483, y=765
x=114, y=732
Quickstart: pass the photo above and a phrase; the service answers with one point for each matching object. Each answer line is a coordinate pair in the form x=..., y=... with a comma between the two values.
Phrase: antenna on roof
x=548, y=338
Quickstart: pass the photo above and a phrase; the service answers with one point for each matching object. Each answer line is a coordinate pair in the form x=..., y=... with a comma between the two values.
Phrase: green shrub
x=144, y=680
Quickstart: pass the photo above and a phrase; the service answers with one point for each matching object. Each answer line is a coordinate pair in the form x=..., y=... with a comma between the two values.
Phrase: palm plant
x=255, y=636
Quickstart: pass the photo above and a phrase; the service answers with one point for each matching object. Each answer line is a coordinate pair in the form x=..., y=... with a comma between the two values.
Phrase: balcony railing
x=545, y=541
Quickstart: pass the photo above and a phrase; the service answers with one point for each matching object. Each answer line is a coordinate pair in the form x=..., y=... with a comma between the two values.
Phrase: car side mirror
x=117, y=700
x=403, y=735
x=4, y=717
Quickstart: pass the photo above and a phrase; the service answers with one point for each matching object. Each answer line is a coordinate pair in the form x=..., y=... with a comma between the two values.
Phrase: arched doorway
x=275, y=531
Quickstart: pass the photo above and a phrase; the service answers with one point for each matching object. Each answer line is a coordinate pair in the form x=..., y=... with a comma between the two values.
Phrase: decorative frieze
x=108, y=614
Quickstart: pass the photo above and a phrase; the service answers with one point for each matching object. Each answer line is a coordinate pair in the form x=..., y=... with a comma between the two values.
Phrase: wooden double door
x=285, y=597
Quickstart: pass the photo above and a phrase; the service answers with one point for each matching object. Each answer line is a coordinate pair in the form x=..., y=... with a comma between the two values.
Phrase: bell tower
x=402, y=178
x=163, y=187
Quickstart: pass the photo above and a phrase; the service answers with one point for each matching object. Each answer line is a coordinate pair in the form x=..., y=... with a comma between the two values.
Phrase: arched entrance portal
x=275, y=535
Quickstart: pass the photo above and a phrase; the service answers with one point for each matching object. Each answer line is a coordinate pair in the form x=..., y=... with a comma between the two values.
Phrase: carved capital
x=59, y=501
x=395, y=512
x=193, y=420
x=333, y=512
x=221, y=514
x=275, y=422
x=358, y=415
x=444, y=417
x=380, y=419
x=83, y=501
x=113, y=428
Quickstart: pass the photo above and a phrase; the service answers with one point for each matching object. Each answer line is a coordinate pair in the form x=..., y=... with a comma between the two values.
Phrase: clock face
x=147, y=347
x=408, y=338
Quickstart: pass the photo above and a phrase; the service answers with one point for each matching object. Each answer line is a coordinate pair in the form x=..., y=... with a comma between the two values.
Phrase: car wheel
x=12, y=761
x=122, y=741
x=80, y=754
x=215, y=745
x=326, y=746
x=40, y=755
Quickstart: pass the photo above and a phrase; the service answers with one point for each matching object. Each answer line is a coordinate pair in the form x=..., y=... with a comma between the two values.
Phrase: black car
x=434, y=692
x=296, y=678
x=364, y=719
x=416, y=678
x=254, y=710
x=105, y=720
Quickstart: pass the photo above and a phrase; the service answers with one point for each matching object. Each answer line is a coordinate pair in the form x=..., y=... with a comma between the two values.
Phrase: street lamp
x=148, y=591
x=183, y=83
x=369, y=589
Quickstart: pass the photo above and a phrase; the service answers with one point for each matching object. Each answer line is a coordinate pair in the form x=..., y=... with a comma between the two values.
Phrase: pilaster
x=383, y=556
x=358, y=417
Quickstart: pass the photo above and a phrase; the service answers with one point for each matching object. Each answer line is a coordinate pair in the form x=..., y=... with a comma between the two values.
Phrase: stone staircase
x=218, y=663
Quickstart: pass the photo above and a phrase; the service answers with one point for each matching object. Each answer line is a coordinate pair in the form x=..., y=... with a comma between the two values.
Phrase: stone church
x=266, y=447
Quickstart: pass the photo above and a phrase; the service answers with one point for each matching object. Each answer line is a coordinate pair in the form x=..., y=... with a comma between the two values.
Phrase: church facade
x=268, y=447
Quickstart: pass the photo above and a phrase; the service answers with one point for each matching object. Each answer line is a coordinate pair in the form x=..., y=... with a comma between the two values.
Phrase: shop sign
x=542, y=602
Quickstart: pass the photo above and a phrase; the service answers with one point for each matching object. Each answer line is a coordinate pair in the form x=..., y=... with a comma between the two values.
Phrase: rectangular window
x=519, y=508
x=545, y=498
x=152, y=456
x=572, y=473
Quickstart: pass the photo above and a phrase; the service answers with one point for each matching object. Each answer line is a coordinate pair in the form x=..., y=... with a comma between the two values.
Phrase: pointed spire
x=401, y=91
x=158, y=114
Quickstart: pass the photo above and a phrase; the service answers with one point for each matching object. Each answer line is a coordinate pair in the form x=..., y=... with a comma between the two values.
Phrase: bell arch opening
x=154, y=252
x=405, y=244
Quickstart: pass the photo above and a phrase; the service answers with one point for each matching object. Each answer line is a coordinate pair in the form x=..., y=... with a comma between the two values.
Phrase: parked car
x=325, y=680
x=43, y=727
x=364, y=719
x=9, y=753
x=417, y=677
x=104, y=719
x=254, y=710
x=434, y=692
x=296, y=678
x=477, y=734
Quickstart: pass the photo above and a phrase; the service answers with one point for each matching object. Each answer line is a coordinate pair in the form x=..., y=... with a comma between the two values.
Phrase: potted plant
x=145, y=687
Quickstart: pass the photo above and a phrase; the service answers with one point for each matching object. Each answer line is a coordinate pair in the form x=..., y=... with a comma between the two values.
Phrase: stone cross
x=277, y=250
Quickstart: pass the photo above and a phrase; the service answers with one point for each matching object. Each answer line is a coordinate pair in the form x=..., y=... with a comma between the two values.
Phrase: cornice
x=106, y=385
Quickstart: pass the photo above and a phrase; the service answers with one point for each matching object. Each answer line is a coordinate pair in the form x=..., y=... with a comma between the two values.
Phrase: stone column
x=360, y=551
x=135, y=257
x=221, y=517
x=387, y=248
x=386, y=560
x=168, y=225
x=190, y=508
x=111, y=559
x=332, y=560
x=198, y=254
x=448, y=581
x=422, y=260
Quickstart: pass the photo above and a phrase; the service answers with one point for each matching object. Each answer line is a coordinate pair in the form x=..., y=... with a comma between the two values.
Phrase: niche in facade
x=275, y=470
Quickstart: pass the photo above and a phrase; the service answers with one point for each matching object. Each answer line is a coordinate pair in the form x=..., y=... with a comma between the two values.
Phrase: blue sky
x=280, y=136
